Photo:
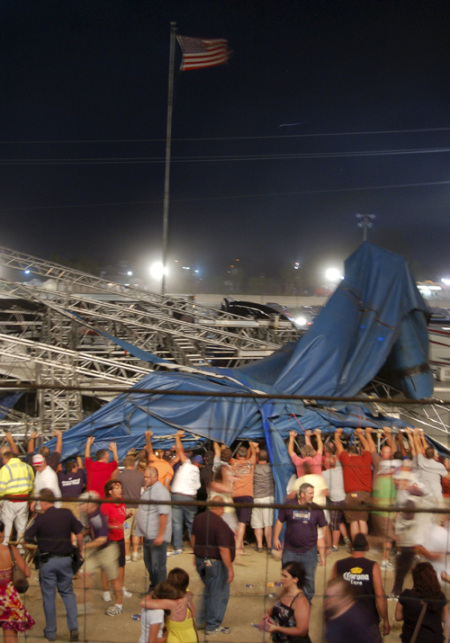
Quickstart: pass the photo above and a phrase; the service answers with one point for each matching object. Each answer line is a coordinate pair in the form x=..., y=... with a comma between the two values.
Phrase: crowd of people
x=355, y=494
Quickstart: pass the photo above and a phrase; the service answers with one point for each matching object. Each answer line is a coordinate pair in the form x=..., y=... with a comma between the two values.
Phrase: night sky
x=311, y=112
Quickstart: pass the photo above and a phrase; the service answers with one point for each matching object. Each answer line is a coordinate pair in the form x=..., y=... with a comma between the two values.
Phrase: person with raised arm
x=100, y=470
x=185, y=484
x=52, y=458
x=357, y=472
x=155, y=459
x=309, y=455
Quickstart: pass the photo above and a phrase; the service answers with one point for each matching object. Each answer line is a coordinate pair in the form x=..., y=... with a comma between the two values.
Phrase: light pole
x=366, y=221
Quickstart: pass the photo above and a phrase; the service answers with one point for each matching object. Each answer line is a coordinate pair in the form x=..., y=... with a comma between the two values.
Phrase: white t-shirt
x=437, y=540
x=186, y=479
x=47, y=479
x=149, y=618
x=430, y=473
x=335, y=483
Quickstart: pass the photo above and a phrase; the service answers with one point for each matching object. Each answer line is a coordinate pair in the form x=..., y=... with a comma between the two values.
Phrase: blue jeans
x=308, y=559
x=155, y=557
x=181, y=515
x=57, y=573
x=215, y=594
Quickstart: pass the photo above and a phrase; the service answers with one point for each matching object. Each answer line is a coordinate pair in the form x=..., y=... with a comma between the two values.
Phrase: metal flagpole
x=173, y=28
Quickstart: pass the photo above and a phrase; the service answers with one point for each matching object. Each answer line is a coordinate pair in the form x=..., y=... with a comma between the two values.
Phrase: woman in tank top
x=288, y=620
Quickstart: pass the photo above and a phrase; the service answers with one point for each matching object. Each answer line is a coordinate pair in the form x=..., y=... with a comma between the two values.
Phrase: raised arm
x=291, y=450
x=59, y=441
x=31, y=442
x=418, y=442
x=179, y=449
x=338, y=443
x=318, y=434
x=87, y=448
x=412, y=443
x=12, y=445
x=254, y=448
x=369, y=439
x=389, y=438
x=149, y=445
x=360, y=433
x=113, y=449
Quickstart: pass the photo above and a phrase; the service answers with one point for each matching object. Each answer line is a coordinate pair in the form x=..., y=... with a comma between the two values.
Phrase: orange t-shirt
x=165, y=471
x=243, y=471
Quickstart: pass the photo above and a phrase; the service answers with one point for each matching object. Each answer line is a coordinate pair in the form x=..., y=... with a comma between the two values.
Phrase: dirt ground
x=246, y=606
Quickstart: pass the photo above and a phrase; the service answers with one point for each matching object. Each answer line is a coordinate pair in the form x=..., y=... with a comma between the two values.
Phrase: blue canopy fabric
x=376, y=319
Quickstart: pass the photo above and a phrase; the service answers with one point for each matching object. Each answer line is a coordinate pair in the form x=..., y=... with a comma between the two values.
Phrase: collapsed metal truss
x=51, y=335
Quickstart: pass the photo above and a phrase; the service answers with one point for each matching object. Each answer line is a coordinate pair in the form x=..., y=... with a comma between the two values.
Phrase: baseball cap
x=38, y=459
x=198, y=459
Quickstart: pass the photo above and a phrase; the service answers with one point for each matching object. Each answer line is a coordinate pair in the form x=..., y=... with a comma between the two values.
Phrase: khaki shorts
x=357, y=499
x=106, y=559
x=129, y=525
x=262, y=516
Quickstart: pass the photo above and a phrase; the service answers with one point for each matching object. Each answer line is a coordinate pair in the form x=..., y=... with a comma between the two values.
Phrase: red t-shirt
x=98, y=474
x=116, y=515
x=357, y=471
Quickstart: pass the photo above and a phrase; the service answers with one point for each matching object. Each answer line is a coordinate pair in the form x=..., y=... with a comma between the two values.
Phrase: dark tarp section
x=8, y=402
x=375, y=319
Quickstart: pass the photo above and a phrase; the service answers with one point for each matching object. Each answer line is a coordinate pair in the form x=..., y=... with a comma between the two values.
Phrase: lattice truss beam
x=74, y=280
x=149, y=330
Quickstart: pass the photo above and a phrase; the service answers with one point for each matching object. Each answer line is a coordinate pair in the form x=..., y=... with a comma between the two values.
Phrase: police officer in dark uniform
x=52, y=529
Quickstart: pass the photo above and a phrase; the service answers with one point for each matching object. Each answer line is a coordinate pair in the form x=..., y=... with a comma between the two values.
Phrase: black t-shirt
x=211, y=532
x=53, y=530
x=431, y=629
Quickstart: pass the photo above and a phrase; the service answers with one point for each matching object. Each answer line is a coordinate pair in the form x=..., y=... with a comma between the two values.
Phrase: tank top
x=284, y=616
x=359, y=573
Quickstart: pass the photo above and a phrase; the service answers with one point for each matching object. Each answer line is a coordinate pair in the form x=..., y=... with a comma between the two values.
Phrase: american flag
x=202, y=52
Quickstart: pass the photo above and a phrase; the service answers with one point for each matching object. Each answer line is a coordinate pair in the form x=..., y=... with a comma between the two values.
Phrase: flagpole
x=173, y=28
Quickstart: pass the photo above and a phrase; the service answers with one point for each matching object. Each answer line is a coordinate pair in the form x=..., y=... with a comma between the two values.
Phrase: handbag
x=77, y=560
x=19, y=579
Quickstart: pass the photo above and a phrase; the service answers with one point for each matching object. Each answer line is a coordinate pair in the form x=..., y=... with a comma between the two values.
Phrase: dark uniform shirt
x=211, y=532
x=52, y=530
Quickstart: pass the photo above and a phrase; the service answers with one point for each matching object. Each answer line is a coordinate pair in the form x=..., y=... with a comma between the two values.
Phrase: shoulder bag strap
x=11, y=553
x=419, y=623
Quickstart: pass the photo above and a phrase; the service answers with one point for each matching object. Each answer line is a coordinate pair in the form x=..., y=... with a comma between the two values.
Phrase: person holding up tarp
x=357, y=471
x=185, y=484
x=100, y=470
x=243, y=467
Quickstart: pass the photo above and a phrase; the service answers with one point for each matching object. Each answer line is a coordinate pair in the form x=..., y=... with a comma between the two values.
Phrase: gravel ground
x=246, y=606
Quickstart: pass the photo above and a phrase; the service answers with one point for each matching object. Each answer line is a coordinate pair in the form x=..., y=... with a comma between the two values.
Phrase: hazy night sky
x=83, y=120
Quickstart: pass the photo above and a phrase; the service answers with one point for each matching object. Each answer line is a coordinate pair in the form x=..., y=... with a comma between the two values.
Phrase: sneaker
x=126, y=593
x=107, y=597
x=128, y=559
x=219, y=630
x=174, y=552
x=335, y=548
x=134, y=557
x=386, y=566
x=114, y=610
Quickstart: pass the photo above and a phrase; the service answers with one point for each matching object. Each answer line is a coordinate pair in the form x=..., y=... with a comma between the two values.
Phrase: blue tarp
x=376, y=319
